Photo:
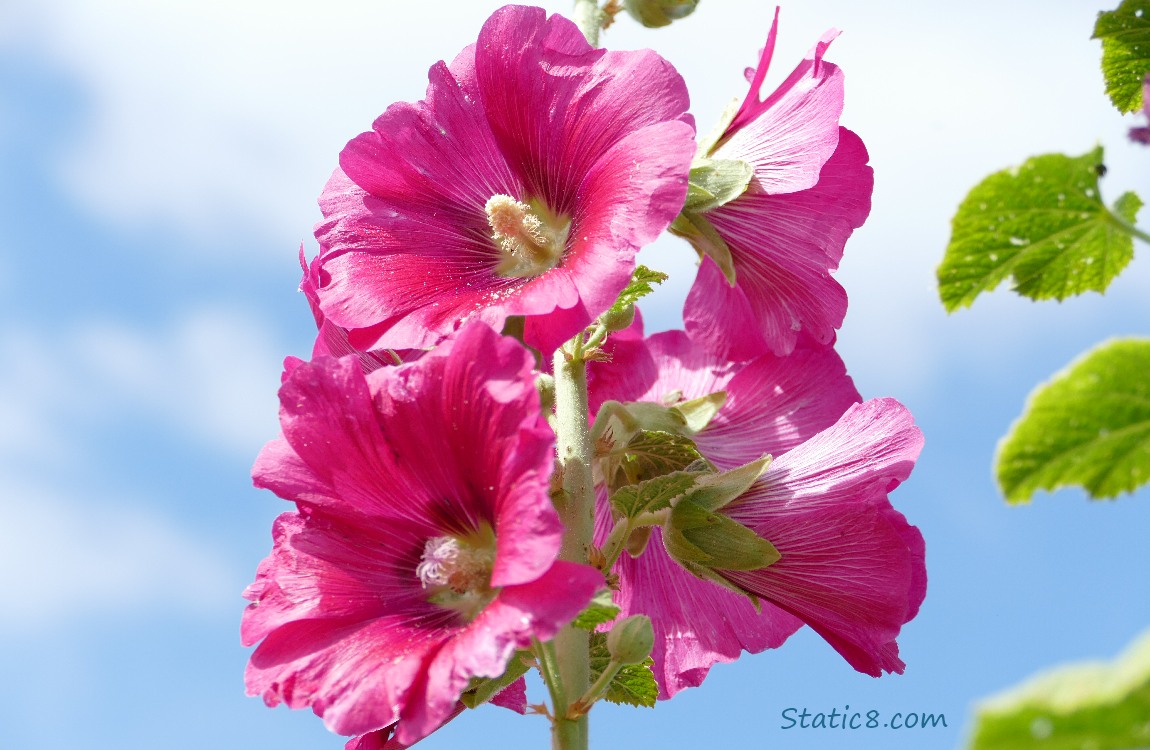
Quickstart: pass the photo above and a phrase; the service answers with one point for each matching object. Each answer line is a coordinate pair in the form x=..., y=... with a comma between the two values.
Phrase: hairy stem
x=589, y=19
x=573, y=435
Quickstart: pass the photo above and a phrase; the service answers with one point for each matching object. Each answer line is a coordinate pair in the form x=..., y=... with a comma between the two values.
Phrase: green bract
x=1125, y=35
x=1044, y=225
x=1089, y=427
x=1094, y=705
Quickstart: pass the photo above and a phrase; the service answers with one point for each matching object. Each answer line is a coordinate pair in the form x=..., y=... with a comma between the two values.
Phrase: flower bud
x=630, y=641
x=618, y=319
x=653, y=13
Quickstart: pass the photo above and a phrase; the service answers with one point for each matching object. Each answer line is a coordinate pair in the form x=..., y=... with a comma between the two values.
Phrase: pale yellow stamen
x=528, y=244
x=459, y=567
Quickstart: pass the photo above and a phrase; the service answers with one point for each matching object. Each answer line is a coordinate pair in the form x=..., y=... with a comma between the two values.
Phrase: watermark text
x=802, y=718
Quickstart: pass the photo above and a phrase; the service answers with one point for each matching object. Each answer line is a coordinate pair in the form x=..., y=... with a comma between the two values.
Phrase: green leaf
x=602, y=609
x=1091, y=705
x=634, y=685
x=1043, y=224
x=639, y=286
x=652, y=494
x=652, y=453
x=715, y=182
x=1089, y=426
x=1125, y=35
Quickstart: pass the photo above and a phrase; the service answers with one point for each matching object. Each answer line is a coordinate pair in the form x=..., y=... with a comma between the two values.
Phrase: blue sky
x=160, y=164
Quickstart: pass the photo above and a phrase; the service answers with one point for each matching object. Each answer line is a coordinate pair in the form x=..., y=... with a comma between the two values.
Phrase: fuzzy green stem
x=613, y=547
x=545, y=656
x=573, y=437
x=596, y=691
x=589, y=19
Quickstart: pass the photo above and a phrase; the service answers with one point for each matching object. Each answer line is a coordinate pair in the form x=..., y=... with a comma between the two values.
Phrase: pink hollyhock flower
x=781, y=406
x=522, y=185
x=773, y=404
x=423, y=552
x=852, y=567
x=810, y=190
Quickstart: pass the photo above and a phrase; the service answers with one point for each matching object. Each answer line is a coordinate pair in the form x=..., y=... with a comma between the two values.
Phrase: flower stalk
x=589, y=19
x=573, y=435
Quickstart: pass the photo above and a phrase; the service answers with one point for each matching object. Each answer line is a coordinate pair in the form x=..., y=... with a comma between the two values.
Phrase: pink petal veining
x=810, y=190
x=530, y=111
x=378, y=464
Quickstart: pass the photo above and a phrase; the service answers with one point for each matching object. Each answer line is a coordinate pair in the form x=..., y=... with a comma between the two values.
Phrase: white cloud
x=213, y=373
x=226, y=116
x=85, y=557
x=73, y=548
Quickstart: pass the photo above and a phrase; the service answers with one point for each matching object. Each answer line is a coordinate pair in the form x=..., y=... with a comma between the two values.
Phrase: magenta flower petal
x=423, y=553
x=536, y=609
x=852, y=567
x=773, y=403
x=788, y=136
x=810, y=189
x=784, y=248
x=697, y=624
x=533, y=115
x=512, y=697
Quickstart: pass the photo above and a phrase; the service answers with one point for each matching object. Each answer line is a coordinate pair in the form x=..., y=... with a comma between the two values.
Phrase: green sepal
x=601, y=610
x=698, y=412
x=693, y=534
x=480, y=690
x=715, y=182
x=686, y=418
x=651, y=495
x=1097, y=705
x=634, y=685
x=707, y=145
x=703, y=236
x=637, y=540
x=713, y=491
x=1089, y=427
x=1125, y=35
x=1042, y=224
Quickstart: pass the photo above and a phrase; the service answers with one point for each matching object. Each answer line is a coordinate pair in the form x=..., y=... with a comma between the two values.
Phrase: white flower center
x=530, y=241
x=460, y=567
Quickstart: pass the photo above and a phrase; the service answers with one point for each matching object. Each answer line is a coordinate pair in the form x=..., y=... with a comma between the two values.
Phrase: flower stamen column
x=577, y=510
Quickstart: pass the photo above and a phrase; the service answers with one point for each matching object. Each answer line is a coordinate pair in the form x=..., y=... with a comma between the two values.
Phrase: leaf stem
x=583, y=705
x=1130, y=229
